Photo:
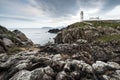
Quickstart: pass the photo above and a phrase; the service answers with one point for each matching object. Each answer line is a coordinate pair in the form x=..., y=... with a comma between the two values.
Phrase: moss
x=107, y=38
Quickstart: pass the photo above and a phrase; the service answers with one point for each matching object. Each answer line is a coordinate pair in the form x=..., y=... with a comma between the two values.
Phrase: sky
x=54, y=13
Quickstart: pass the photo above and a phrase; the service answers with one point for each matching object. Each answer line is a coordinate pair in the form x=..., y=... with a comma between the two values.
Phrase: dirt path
x=30, y=49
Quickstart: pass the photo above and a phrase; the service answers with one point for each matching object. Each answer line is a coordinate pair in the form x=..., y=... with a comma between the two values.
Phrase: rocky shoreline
x=82, y=51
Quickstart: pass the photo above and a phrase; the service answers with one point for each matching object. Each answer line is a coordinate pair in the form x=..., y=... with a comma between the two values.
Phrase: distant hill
x=46, y=28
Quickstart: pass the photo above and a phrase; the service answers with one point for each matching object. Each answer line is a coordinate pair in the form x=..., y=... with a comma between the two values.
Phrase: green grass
x=113, y=24
x=77, y=24
x=107, y=38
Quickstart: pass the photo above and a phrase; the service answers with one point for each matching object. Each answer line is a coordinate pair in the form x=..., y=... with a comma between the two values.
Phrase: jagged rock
x=58, y=65
x=46, y=77
x=112, y=76
x=20, y=35
x=75, y=75
x=57, y=57
x=22, y=75
x=67, y=67
x=22, y=66
x=37, y=74
x=3, y=57
x=100, y=67
x=49, y=71
x=23, y=38
x=62, y=76
x=114, y=65
x=8, y=42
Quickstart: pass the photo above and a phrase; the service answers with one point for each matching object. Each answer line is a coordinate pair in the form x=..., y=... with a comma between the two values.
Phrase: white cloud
x=38, y=14
x=114, y=13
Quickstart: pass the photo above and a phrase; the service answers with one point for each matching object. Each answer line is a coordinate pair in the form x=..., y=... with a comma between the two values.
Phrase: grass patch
x=113, y=24
x=77, y=24
x=14, y=50
x=102, y=23
x=107, y=38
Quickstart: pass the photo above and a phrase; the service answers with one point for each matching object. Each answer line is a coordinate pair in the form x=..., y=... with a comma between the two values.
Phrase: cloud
x=55, y=12
x=16, y=18
x=114, y=13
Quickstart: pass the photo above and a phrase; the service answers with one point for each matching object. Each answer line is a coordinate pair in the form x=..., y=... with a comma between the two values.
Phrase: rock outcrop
x=9, y=41
x=53, y=30
x=92, y=40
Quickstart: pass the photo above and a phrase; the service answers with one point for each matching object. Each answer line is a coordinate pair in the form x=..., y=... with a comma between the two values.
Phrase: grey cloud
x=15, y=18
x=110, y=4
x=59, y=8
x=63, y=8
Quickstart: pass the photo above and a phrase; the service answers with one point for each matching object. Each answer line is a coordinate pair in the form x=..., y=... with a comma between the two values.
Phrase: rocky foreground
x=89, y=50
x=44, y=66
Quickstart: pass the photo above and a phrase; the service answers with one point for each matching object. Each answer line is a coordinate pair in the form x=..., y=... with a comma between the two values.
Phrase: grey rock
x=81, y=41
x=57, y=57
x=61, y=76
x=49, y=71
x=100, y=67
x=37, y=74
x=22, y=75
x=114, y=65
x=8, y=42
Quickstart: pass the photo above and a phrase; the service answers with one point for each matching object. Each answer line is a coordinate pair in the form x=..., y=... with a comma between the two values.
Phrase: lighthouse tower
x=81, y=16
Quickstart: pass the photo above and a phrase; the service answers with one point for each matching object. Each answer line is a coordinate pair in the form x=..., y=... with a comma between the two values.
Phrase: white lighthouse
x=81, y=16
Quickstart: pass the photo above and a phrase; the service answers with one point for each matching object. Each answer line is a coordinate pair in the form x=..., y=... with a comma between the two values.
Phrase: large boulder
x=22, y=75
x=8, y=42
x=20, y=35
x=23, y=38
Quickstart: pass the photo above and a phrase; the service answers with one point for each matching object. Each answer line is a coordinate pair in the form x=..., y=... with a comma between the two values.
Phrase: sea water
x=37, y=35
